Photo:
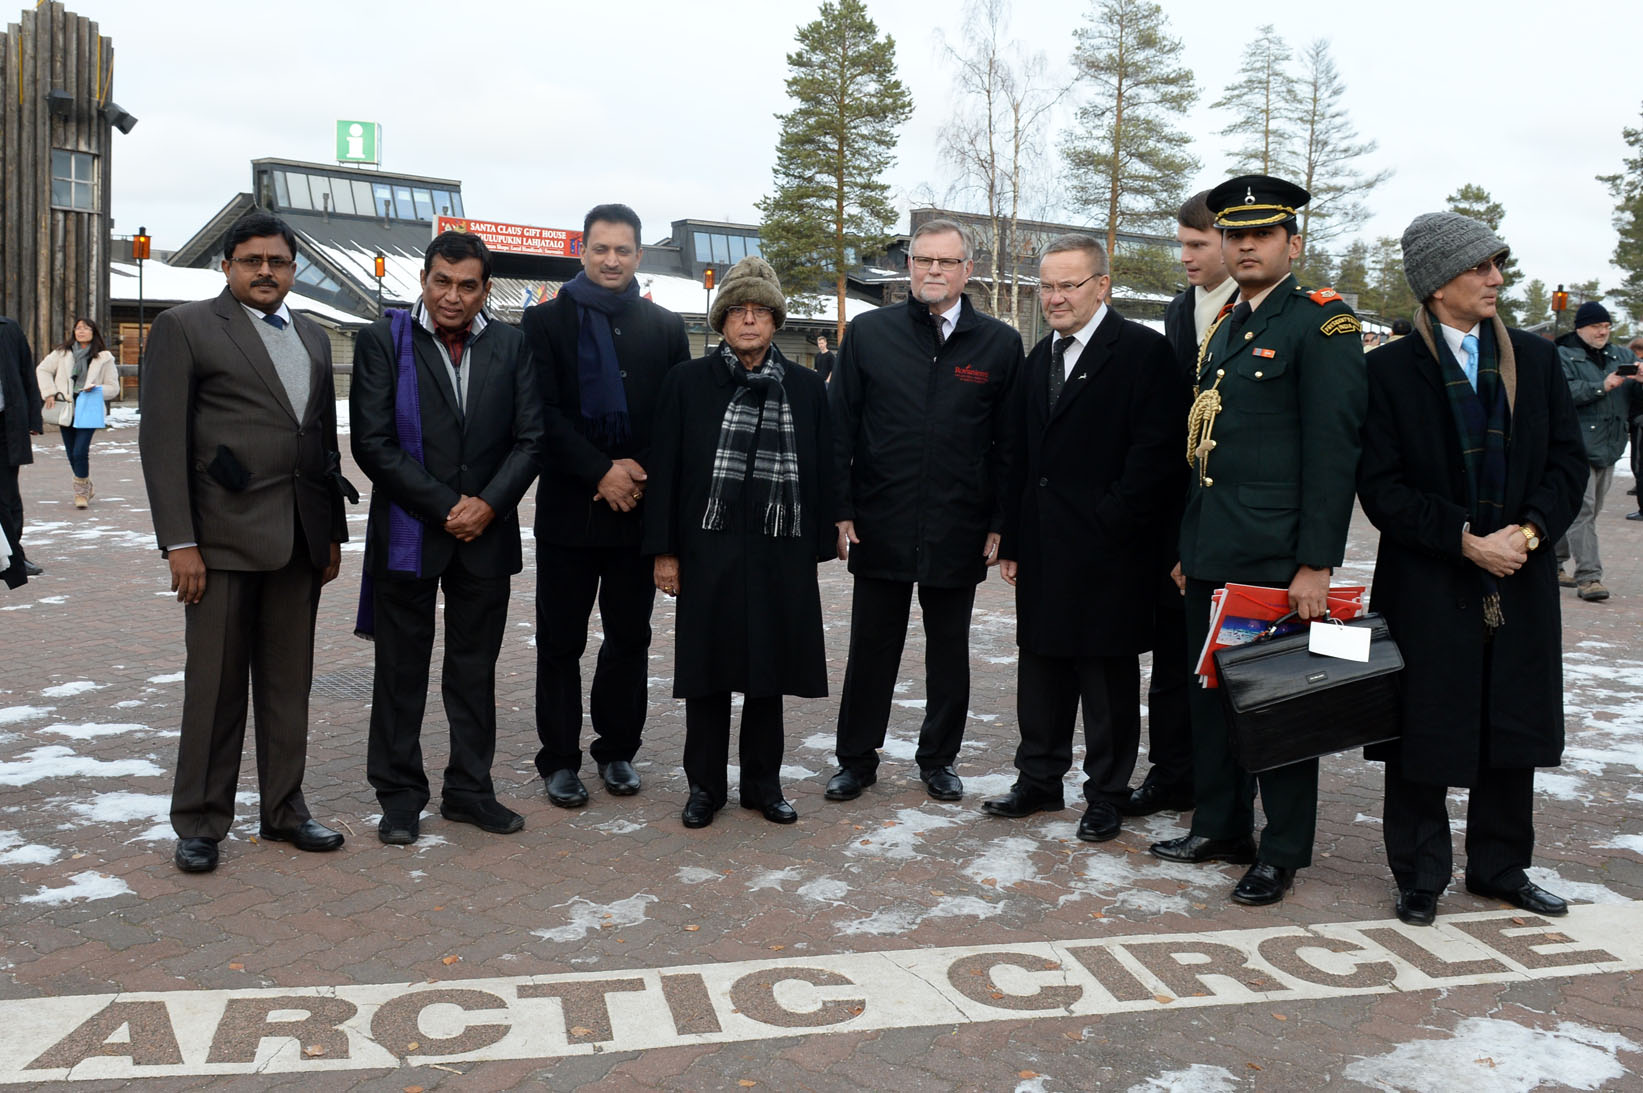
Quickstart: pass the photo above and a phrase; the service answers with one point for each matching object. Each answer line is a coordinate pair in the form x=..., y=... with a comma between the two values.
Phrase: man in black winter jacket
x=921, y=446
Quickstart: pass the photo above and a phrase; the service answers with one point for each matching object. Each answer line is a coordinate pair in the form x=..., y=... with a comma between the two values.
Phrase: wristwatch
x=1531, y=536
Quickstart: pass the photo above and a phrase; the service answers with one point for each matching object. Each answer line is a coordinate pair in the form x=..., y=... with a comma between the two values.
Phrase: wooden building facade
x=56, y=136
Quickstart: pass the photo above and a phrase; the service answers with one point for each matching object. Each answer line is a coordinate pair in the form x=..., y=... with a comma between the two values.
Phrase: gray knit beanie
x=750, y=281
x=1438, y=247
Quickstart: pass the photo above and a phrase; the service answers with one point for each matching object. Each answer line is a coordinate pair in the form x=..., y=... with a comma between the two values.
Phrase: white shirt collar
x=1081, y=338
x=257, y=316
x=1453, y=337
x=948, y=319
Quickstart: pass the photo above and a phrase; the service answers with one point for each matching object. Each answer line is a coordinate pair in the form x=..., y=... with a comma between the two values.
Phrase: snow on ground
x=695, y=874
x=68, y=690
x=91, y=730
x=14, y=851
x=11, y=715
x=586, y=917
x=1197, y=1078
x=58, y=761
x=900, y=920
x=1488, y=1055
x=85, y=886
x=900, y=837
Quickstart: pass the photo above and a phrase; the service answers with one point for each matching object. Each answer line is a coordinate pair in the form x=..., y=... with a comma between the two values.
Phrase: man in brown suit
x=239, y=451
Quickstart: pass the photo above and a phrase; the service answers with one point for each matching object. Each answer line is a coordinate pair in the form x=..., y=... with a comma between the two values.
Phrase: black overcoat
x=749, y=610
x=920, y=443
x=1096, y=481
x=22, y=410
x=649, y=340
x=1412, y=486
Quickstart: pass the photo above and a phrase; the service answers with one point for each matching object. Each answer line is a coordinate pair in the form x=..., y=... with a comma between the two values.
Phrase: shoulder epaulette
x=1321, y=296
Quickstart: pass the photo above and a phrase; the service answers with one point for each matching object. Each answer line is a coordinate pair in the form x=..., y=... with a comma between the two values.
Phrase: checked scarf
x=1482, y=419
x=758, y=421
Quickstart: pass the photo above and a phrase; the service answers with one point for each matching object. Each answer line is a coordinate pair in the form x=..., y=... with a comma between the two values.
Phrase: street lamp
x=381, y=265
x=139, y=251
x=707, y=334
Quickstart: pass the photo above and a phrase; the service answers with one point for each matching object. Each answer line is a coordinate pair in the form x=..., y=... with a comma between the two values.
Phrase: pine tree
x=830, y=203
x=1537, y=303
x=1261, y=102
x=1475, y=202
x=1388, y=295
x=1327, y=150
x=1146, y=268
x=1627, y=188
x=1353, y=276
x=1127, y=159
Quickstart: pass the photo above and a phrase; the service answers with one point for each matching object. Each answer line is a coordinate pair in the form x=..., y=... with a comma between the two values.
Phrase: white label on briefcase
x=1331, y=639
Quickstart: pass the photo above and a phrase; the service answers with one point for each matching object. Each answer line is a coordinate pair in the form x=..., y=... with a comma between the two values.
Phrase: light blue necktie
x=1470, y=344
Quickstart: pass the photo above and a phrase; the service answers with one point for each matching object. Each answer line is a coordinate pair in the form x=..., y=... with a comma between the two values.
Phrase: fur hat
x=750, y=281
x=1591, y=312
x=1438, y=247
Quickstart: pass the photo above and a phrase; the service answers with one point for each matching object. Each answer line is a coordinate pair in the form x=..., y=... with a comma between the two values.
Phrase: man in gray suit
x=239, y=451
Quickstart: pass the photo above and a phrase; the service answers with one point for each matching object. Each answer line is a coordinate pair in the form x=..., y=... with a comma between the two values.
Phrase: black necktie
x=1058, y=367
x=941, y=331
x=1235, y=323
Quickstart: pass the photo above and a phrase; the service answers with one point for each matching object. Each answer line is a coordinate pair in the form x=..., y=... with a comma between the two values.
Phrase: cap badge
x=1249, y=195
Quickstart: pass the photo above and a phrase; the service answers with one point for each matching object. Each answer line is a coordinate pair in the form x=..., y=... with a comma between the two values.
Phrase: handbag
x=1285, y=703
x=89, y=412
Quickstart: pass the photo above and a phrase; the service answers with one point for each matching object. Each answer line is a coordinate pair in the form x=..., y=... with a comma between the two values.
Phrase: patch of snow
x=1488, y=1055
x=1634, y=843
x=899, y=839
x=901, y=920
x=58, y=761
x=825, y=890
x=171, y=677
x=82, y=886
x=586, y=917
x=1007, y=862
x=1197, y=1078
x=14, y=851
x=91, y=730
x=772, y=878
x=619, y=827
x=11, y=715
x=68, y=690
x=1579, y=891
x=695, y=874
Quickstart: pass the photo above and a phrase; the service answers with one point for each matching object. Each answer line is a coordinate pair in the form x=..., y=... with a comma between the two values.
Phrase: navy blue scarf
x=598, y=373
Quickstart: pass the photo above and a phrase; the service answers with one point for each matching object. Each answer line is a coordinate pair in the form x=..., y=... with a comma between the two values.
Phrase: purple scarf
x=404, y=530
x=598, y=372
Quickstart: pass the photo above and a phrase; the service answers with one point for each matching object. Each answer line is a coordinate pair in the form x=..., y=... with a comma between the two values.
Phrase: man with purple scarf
x=447, y=423
x=602, y=351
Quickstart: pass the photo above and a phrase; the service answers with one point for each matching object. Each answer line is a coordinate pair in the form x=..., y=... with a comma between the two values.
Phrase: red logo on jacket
x=971, y=375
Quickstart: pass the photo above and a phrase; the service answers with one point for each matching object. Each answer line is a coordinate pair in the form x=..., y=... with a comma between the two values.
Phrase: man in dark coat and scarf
x=1472, y=467
x=737, y=523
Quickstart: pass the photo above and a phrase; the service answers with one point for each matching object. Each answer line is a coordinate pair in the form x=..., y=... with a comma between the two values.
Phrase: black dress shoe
x=310, y=835
x=847, y=785
x=1635, y=515
x=1529, y=896
x=1150, y=797
x=699, y=809
x=1100, y=823
x=1263, y=884
x=566, y=790
x=619, y=777
x=1023, y=801
x=399, y=828
x=943, y=784
x=196, y=855
x=777, y=811
x=34, y=571
x=486, y=815
x=1198, y=848
x=1416, y=906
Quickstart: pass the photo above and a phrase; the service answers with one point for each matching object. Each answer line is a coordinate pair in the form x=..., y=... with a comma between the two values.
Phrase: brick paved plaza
x=890, y=942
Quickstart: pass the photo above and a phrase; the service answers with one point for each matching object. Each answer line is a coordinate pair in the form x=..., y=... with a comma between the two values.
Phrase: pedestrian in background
x=82, y=363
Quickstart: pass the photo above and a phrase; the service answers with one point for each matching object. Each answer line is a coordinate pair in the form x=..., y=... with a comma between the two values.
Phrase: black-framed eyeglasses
x=946, y=265
x=1065, y=288
x=253, y=262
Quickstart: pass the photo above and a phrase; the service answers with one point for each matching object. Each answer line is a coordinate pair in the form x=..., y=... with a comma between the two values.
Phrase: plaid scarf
x=1482, y=420
x=748, y=428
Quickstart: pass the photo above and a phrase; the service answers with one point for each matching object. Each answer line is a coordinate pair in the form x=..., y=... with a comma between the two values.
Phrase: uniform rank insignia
x=1341, y=324
x=1323, y=295
x=1269, y=353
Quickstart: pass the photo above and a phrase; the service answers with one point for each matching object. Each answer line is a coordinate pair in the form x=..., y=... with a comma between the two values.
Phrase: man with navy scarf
x=602, y=351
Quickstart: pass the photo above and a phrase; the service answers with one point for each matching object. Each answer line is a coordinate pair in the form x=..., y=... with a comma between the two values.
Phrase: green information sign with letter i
x=359, y=142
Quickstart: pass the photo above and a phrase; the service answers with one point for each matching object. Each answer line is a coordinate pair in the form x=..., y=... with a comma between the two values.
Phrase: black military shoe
x=566, y=790
x=619, y=777
x=1023, y=801
x=1198, y=848
x=1416, y=906
x=1263, y=884
x=1528, y=896
x=1100, y=823
x=196, y=855
x=847, y=785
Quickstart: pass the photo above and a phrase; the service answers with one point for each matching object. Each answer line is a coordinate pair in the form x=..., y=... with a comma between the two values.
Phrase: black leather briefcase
x=1285, y=704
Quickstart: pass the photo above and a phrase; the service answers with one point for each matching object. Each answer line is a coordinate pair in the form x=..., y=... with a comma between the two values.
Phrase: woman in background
x=81, y=363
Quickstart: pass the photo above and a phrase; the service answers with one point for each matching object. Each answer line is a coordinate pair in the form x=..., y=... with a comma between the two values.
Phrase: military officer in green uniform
x=1273, y=443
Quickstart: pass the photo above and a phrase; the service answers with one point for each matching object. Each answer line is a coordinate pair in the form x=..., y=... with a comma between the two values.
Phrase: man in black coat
x=601, y=352
x=921, y=441
x=1187, y=321
x=1472, y=467
x=19, y=419
x=451, y=439
x=1097, y=474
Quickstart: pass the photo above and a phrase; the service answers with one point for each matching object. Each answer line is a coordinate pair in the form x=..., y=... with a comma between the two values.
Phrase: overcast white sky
x=543, y=109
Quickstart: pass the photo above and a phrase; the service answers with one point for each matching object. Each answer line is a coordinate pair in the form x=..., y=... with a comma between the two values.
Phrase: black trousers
x=707, y=747
x=251, y=631
x=879, y=612
x=1049, y=693
x=1637, y=460
x=1500, y=829
x=11, y=496
x=568, y=579
x=1225, y=791
x=476, y=612
x=1169, y=724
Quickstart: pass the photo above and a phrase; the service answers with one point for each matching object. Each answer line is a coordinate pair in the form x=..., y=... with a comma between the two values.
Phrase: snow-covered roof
x=180, y=284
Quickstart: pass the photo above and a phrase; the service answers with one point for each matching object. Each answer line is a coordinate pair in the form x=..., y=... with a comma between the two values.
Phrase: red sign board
x=516, y=238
